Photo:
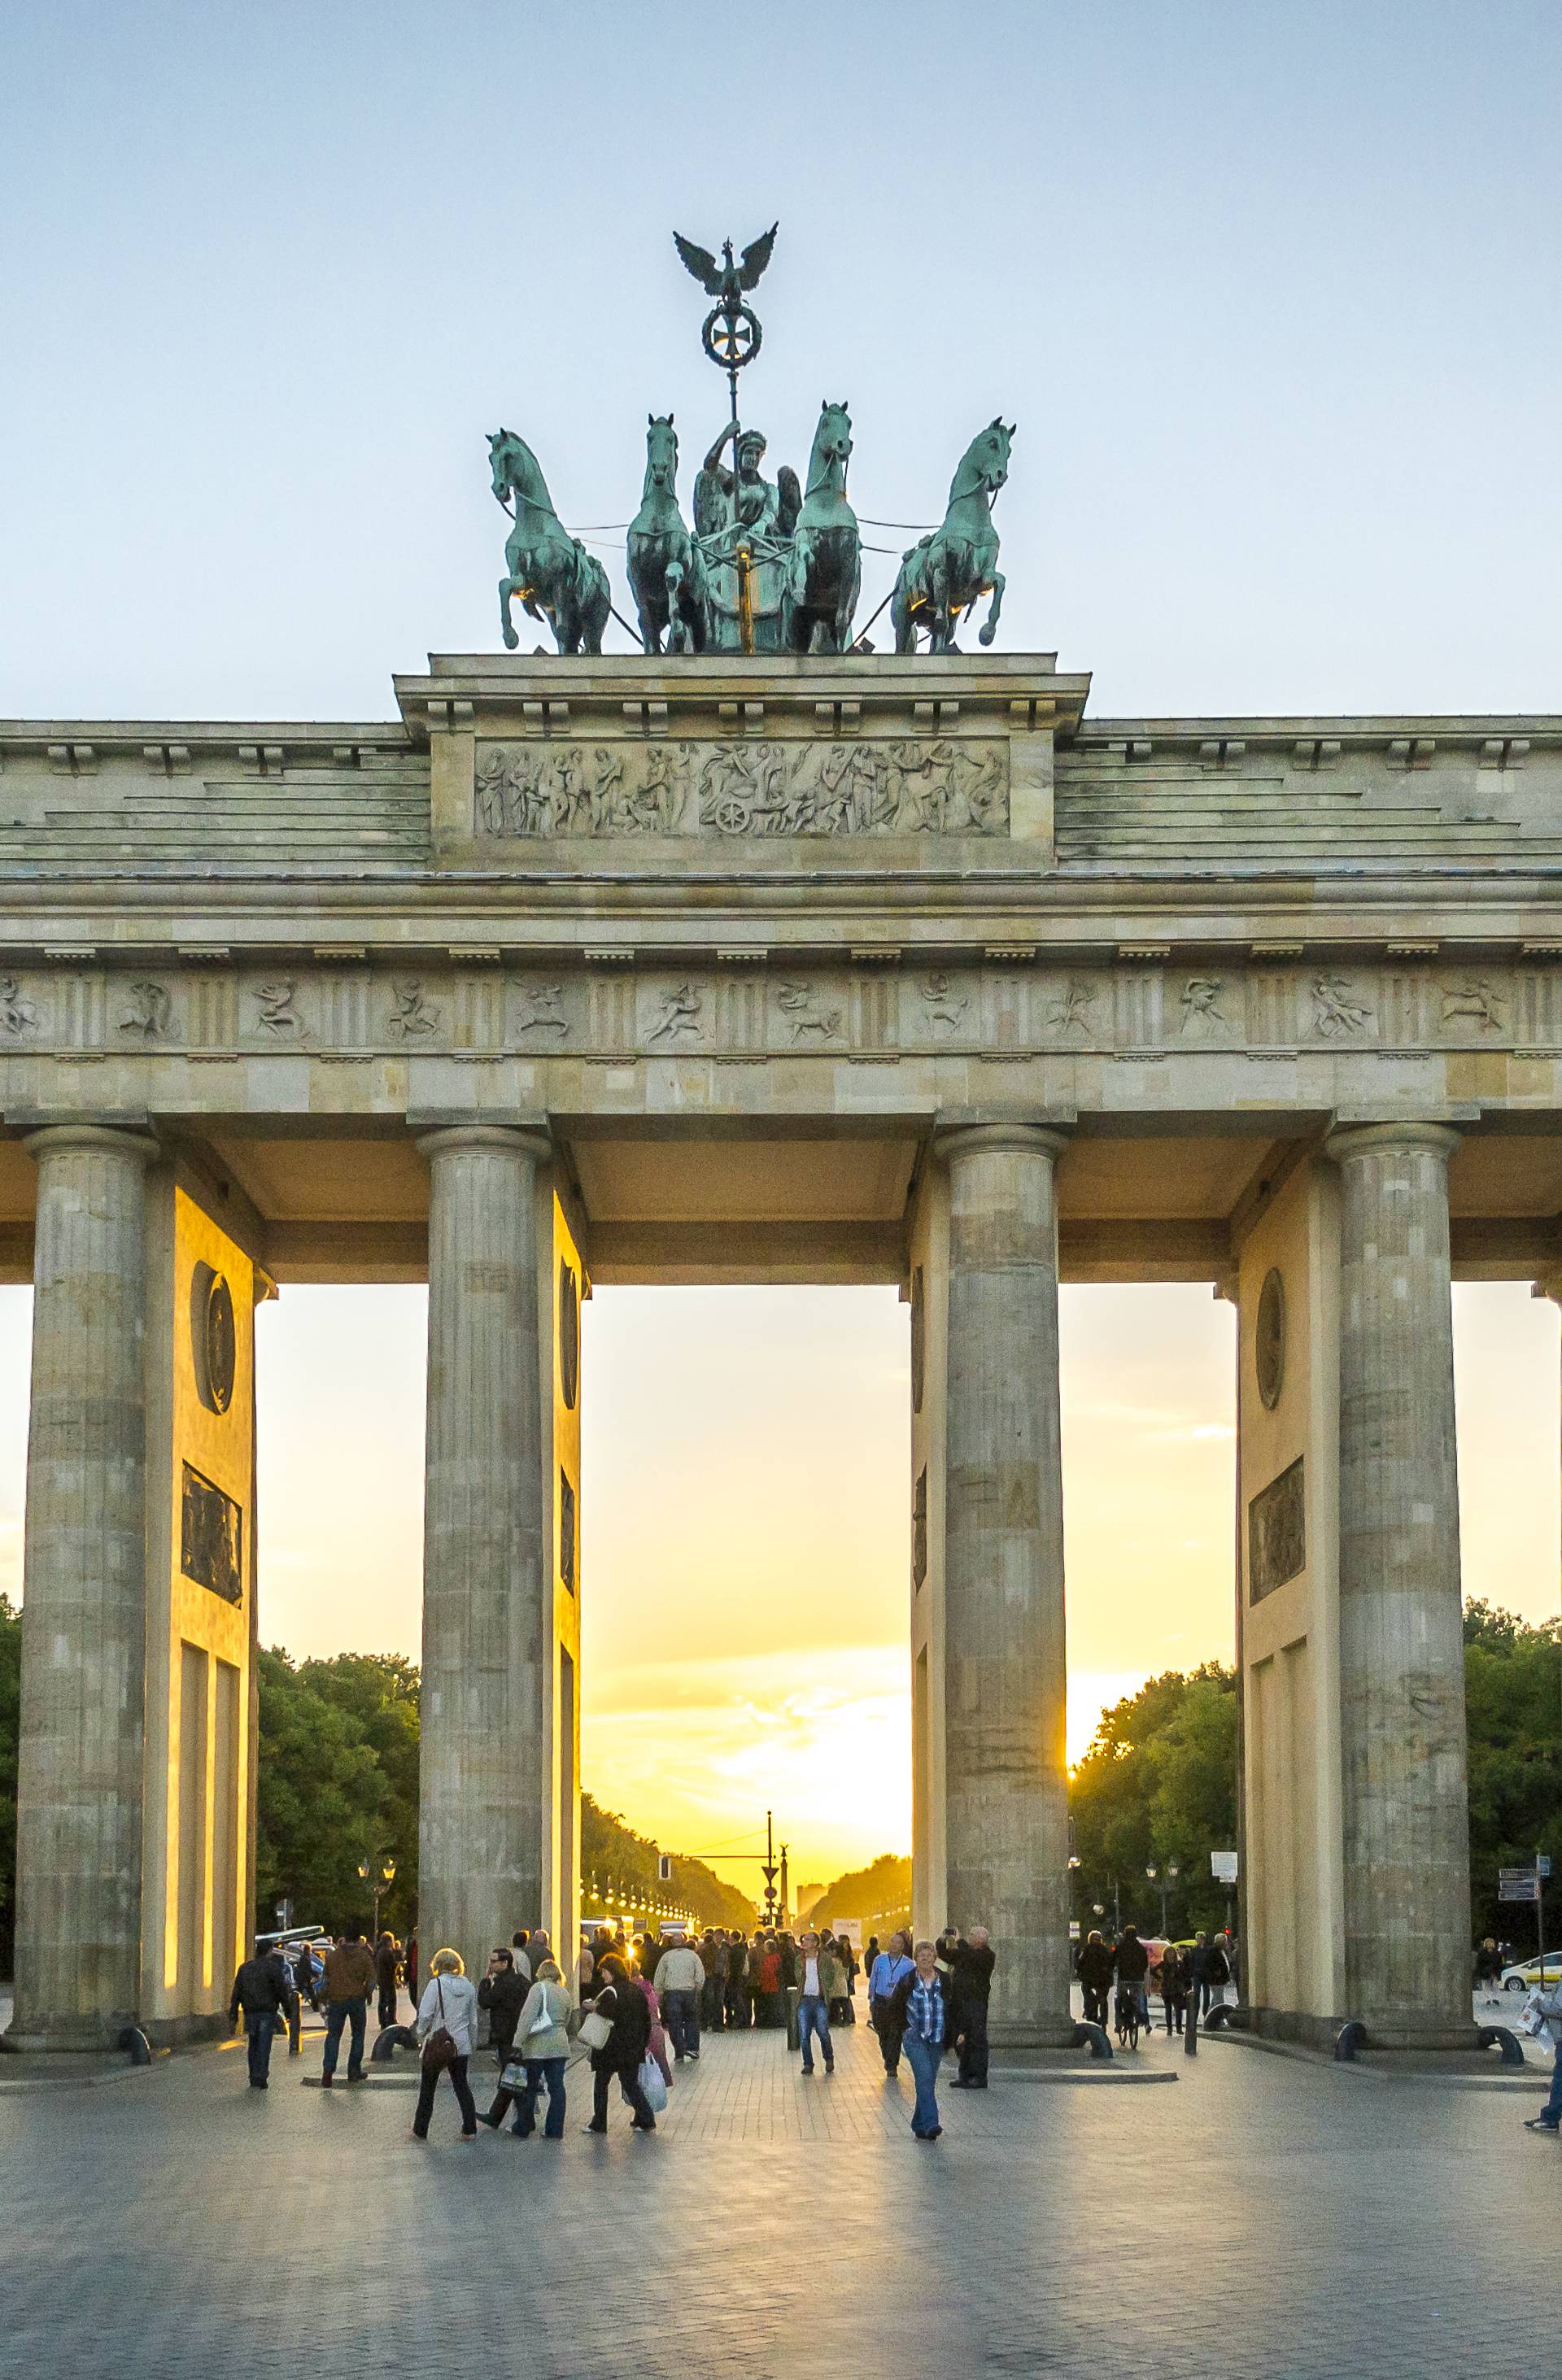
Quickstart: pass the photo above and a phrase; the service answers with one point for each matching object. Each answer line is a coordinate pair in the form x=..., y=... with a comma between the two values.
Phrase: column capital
x=81, y=1135
x=474, y=1135
x=966, y=1132
x=1367, y=1139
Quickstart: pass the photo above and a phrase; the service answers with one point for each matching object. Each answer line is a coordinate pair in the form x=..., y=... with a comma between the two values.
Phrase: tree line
x=338, y=1786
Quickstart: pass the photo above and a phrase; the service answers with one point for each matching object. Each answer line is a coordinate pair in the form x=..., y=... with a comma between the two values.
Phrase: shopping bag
x=653, y=2083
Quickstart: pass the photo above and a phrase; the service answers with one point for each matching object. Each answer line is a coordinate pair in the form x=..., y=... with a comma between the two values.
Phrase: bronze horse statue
x=947, y=573
x=824, y=576
x=551, y=571
x=666, y=570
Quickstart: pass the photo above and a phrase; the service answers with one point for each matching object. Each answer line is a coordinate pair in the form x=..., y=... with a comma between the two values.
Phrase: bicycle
x=1126, y=2016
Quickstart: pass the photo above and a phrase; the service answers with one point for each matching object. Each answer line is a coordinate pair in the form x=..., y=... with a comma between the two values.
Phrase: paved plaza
x=1263, y=2215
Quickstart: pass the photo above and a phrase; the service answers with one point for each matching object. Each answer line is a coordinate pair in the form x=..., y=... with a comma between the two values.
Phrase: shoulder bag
x=440, y=2050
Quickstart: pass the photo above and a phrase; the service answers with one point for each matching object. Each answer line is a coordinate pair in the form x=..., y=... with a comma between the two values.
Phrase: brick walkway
x=1261, y=2217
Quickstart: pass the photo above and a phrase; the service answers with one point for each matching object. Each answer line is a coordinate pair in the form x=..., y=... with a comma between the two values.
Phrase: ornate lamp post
x=1152, y=1872
x=386, y=1878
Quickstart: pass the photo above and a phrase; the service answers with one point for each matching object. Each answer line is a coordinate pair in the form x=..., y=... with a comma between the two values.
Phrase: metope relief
x=1340, y=1011
x=751, y=787
x=412, y=1016
x=809, y=1012
x=18, y=1015
x=1474, y=1004
x=147, y=1015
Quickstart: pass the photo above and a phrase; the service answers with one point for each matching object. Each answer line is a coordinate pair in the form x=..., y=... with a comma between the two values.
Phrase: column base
x=1397, y=2036
x=1044, y=2033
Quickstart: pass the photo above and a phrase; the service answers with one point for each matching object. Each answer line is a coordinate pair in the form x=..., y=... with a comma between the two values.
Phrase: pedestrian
x=1207, y=1972
x=713, y=1958
x=842, y=2009
x=519, y=1953
x=657, y=2039
x=919, y=1997
x=740, y=2009
x=585, y=1968
x=1130, y=1963
x=1173, y=1985
x=971, y=1960
x=503, y=1993
x=447, y=2030
x=820, y=1984
x=680, y=1981
x=1488, y=1969
x=262, y=1992
x=387, y=1962
x=1542, y=2018
x=625, y=2006
x=1094, y=1968
x=770, y=2007
x=890, y=1970
x=542, y=2046
x=349, y=1978
x=306, y=1975
x=412, y=1962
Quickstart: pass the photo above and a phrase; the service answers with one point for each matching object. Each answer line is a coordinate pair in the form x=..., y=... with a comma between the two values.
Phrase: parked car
x=1527, y=1973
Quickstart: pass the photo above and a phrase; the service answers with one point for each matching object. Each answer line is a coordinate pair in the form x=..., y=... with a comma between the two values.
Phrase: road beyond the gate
x=1264, y=2218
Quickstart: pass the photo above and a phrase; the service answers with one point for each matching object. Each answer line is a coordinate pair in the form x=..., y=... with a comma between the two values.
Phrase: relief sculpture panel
x=744, y=787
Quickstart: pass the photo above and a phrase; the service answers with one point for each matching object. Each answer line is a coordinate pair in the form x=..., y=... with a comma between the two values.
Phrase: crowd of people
x=642, y=2008
x=1185, y=1978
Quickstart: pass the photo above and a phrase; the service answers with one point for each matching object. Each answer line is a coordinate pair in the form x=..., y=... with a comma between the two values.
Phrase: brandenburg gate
x=765, y=958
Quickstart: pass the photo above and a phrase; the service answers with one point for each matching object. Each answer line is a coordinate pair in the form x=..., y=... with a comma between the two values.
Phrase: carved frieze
x=828, y=786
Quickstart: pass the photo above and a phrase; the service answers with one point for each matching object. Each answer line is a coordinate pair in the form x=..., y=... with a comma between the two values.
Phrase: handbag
x=513, y=2079
x=541, y=2021
x=440, y=2050
x=653, y=2084
x=596, y=2031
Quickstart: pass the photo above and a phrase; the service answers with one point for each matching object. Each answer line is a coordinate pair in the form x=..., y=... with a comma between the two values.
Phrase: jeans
x=260, y=2025
x=680, y=2019
x=388, y=2004
x=924, y=2057
x=629, y=2077
x=538, y=2072
x=457, y=2069
x=1552, y=2111
x=711, y=2004
x=814, y=2016
x=337, y=2013
x=972, y=2030
x=1095, y=2003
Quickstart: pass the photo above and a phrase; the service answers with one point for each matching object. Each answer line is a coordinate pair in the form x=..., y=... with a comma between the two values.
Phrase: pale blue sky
x=1270, y=290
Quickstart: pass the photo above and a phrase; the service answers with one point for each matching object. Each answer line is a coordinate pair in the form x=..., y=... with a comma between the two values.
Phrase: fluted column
x=78, y=1800
x=485, y=1761
x=1401, y=1651
x=1005, y=1668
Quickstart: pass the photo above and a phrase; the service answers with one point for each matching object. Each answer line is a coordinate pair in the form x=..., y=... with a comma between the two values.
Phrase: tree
x=610, y=1849
x=338, y=1782
x=1158, y=1783
x=1513, y=1693
x=879, y=1895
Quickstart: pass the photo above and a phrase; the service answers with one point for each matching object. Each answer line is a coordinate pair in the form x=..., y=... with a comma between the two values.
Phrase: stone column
x=79, y=1799
x=1401, y=1651
x=486, y=1763
x=1005, y=1668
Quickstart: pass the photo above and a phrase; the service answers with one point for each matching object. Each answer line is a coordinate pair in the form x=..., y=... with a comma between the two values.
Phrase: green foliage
x=879, y=1894
x=1513, y=1690
x=338, y=1782
x=1157, y=1784
x=10, y=1731
x=610, y=1849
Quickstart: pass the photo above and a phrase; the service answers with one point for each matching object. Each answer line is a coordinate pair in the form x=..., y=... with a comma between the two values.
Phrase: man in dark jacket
x=1131, y=1962
x=736, y=1968
x=1206, y=1968
x=387, y=1962
x=349, y=1978
x=971, y=1960
x=503, y=1993
x=1094, y=1970
x=262, y=1990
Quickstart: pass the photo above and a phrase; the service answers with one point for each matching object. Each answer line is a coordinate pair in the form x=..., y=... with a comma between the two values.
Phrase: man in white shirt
x=680, y=1979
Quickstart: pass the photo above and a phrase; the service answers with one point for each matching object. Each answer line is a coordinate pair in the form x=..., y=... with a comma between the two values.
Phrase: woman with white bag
x=537, y=2057
x=616, y=2030
x=1542, y=2019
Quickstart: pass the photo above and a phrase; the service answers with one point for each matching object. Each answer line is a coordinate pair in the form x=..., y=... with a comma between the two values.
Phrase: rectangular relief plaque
x=1278, y=1532
x=210, y=1538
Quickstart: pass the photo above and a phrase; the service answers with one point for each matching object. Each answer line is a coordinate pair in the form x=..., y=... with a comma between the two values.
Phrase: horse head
x=515, y=467
x=661, y=455
x=832, y=444
x=985, y=465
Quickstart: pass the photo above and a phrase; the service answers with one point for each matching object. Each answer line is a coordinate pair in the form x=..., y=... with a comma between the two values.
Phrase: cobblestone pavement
x=1264, y=2216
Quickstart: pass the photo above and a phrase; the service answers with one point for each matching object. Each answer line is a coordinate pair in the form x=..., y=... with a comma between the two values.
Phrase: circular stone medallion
x=1269, y=1339
x=212, y=1338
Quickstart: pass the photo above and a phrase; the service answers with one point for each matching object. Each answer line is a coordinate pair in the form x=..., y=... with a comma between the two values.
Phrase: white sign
x=851, y=1927
x=1223, y=1866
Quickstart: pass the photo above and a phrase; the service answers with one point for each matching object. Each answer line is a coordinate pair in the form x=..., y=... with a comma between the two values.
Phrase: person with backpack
x=262, y=1991
x=447, y=2030
x=1542, y=2019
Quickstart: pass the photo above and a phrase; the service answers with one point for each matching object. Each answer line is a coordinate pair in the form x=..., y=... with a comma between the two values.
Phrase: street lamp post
x=1152, y=1872
x=386, y=1878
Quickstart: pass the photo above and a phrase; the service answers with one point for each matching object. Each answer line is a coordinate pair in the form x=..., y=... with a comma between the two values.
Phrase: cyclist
x=1131, y=1964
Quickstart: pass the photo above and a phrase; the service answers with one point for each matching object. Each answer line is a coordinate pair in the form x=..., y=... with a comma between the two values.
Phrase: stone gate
x=759, y=968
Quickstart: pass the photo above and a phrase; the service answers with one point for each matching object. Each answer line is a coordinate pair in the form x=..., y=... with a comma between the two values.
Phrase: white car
x=1526, y=1975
